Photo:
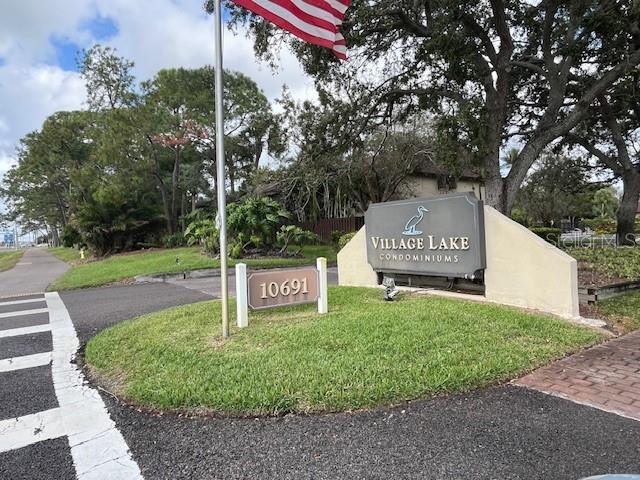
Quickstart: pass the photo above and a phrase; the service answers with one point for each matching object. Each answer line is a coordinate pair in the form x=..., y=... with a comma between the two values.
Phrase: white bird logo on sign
x=410, y=227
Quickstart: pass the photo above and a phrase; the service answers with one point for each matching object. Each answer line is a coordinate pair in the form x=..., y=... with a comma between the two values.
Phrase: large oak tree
x=494, y=71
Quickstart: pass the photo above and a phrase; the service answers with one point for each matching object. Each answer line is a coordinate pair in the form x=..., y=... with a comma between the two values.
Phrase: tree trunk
x=165, y=201
x=626, y=214
x=183, y=210
x=232, y=176
x=55, y=239
x=495, y=184
x=156, y=172
x=495, y=191
x=256, y=157
x=175, y=178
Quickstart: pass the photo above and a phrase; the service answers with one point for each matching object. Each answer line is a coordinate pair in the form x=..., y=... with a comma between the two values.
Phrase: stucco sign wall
x=441, y=236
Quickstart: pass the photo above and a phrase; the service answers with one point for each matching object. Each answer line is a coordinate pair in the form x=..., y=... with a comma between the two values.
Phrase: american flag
x=314, y=21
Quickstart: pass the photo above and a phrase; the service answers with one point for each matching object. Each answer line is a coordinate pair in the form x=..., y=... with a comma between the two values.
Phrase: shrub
x=118, y=216
x=174, y=241
x=344, y=239
x=235, y=250
x=71, y=237
x=294, y=235
x=255, y=221
x=203, y=233
x=335, y=237
x=551, y=235
x=601, y=225
x=198, y=214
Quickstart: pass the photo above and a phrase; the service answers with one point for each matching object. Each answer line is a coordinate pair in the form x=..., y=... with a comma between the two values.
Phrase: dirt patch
x=618, y=324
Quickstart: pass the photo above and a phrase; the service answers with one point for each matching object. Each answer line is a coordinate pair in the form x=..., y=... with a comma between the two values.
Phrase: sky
x=40, y=40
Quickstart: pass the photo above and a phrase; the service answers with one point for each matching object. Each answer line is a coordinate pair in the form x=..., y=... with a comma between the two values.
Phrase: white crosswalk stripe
x=21, y=302
x=15, y=332
x=23, y=431
x=20, y=313
x=97, y=447
x=26, y=361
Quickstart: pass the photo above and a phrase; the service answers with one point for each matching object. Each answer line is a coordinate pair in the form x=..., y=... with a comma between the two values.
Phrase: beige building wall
x=422, y=186
x=353, y=268
x=522, y=269
x=526, y=271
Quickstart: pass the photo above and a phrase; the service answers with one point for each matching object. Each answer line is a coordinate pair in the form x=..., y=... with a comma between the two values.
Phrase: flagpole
x=221, y=184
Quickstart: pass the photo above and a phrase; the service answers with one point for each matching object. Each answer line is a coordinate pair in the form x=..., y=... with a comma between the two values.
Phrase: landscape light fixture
x=390, y=290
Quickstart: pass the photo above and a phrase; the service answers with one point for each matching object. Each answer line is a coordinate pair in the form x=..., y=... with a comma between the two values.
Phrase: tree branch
x=476, y=29
x=610, y=162
x=616, y=134
x=411, y=25
x=501, y=25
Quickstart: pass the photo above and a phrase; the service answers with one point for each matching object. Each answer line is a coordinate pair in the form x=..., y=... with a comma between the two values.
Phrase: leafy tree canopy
x=492, y=70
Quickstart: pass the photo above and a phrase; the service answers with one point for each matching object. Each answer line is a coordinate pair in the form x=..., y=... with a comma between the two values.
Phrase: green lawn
x=9, y=259
x=364, y=353
x=120, y=267
x=65, y=254
x=623, y=311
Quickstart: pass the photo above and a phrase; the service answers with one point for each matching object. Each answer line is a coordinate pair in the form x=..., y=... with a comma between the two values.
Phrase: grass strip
x=623, y=311
x=365, y=352
x=65, y=254
x=128, y=265
x=8, y=260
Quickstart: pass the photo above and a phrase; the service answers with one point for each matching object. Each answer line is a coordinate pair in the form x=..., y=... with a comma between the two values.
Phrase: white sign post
x=241, y=296
x=323, y=300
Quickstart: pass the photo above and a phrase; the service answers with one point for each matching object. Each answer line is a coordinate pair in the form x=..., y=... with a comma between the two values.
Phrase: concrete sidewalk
x=33, y=273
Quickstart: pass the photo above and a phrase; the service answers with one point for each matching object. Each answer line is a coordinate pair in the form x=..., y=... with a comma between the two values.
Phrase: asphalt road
x=29, y=391
x=94, y=309
x=497, y=433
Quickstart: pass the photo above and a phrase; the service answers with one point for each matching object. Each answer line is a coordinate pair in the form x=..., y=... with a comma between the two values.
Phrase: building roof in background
x=431, y=169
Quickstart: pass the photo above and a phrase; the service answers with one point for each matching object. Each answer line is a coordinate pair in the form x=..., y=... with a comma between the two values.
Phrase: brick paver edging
x=606, y=376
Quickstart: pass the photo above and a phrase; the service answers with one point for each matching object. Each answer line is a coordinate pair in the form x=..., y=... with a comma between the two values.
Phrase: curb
x=164, y=277
x=201, y=273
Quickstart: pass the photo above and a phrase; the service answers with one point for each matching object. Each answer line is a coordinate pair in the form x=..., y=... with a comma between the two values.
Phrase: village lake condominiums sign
x=440, y=236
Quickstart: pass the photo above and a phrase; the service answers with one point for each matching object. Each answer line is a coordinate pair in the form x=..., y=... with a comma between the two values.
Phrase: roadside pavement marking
x=19, y=264
x=23, y=431
x=98, y=449
x=21, y=302
x=27, y=361
x=14, y=332
x=19, y=313
x=18, y=295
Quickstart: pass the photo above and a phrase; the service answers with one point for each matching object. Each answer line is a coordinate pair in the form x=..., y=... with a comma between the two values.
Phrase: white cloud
x=155, y=35
x=179, y=33
x=28, y=95
x=27, y=25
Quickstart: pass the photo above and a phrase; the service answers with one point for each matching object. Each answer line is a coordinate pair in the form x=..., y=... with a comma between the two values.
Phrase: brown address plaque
x=276, y=288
